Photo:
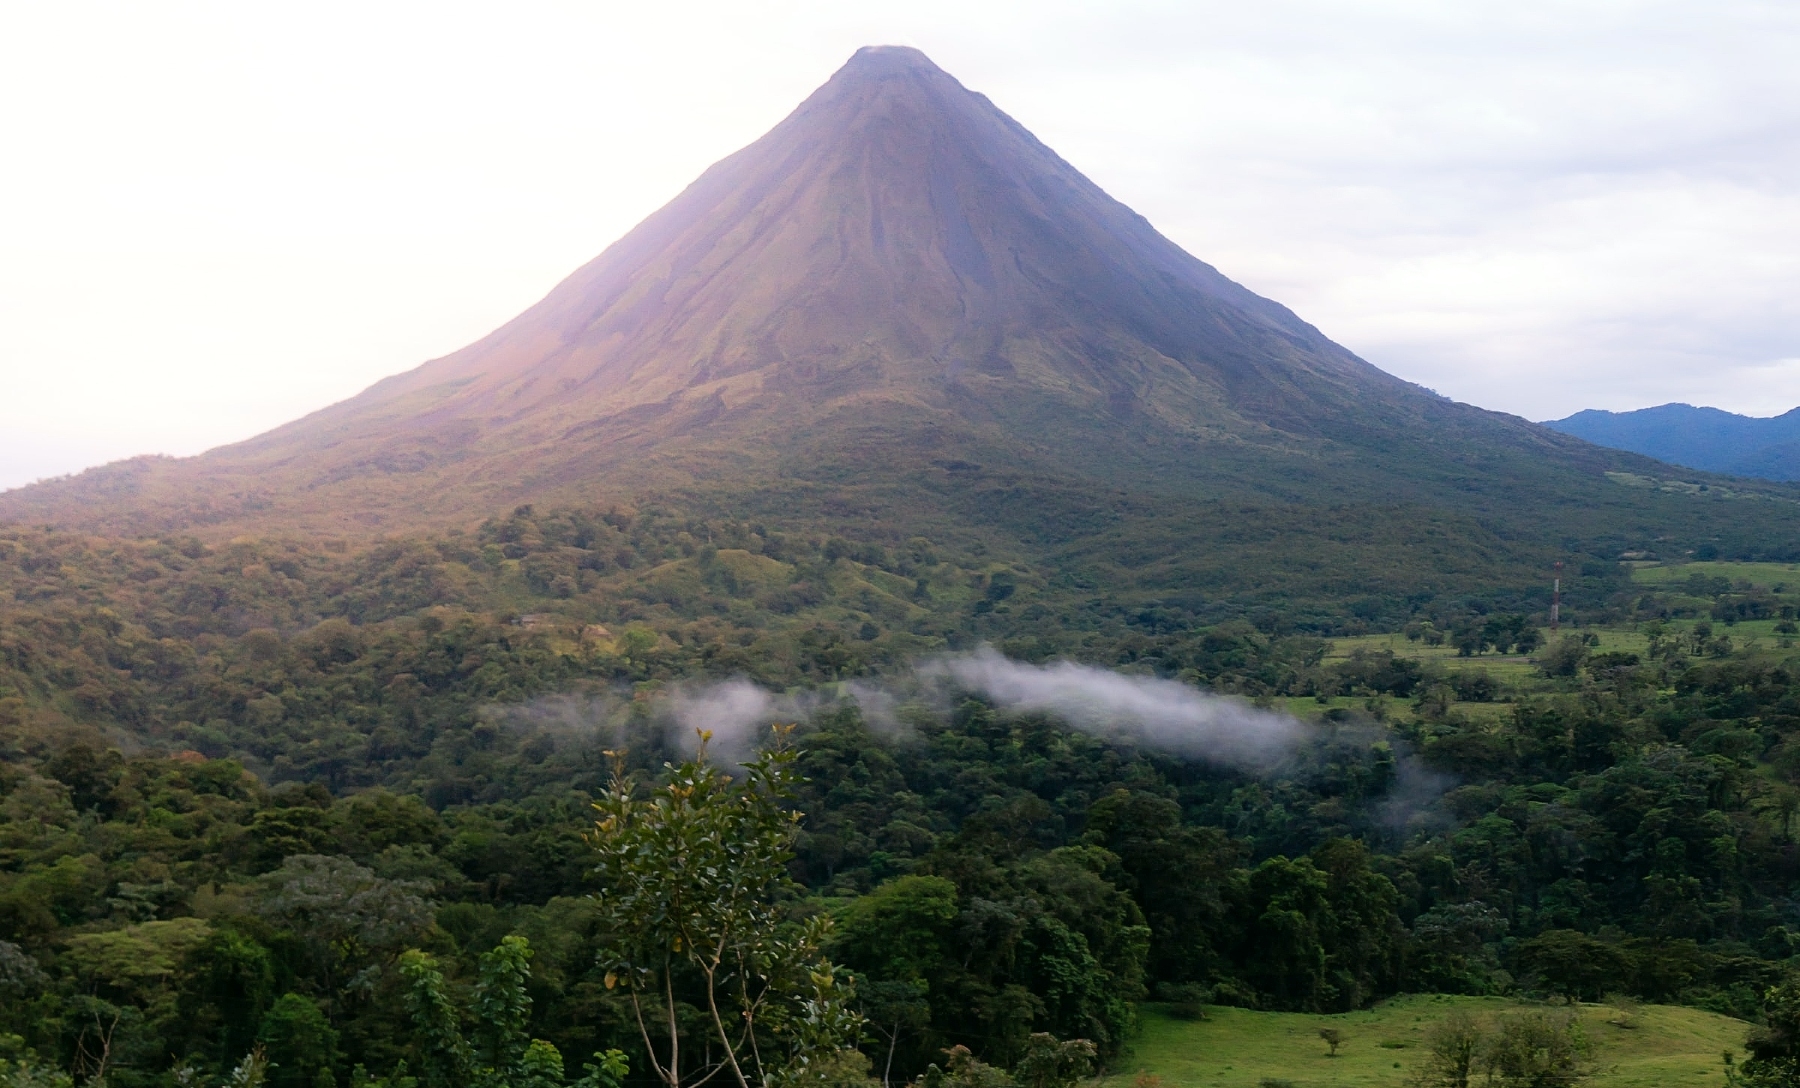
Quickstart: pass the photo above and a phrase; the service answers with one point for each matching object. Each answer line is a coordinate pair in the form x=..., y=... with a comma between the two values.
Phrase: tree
x=1452, y=948
x=1571, y=964
x=962, y=1069
x=1334, y=1038
x=898, y=937
x=540, y=1065
x=344, y=914
x=447, y=1061
x=251, y=1072
x=1360, y=929
x=1175, y=873
x=1050, y=1062
x=1454, y=1047
x=21, y=1067
x=302, y=1048
x=1081, y=949
x=1627, y=1011
x=228, y=985
x=692, y=874
x=608, y=1070
x=1284, y=956
x=503, y=1054
x=1774, y=1045
x=1565, y=657
x=502, y=1008
x=1784, y=801
x=894, y=1009
x=137, y=961
x=1536, y=1050
x=20, y=975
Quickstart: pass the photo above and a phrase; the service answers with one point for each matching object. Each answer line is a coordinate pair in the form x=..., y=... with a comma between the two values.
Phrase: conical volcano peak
x=878, y=72
x=898, y=261
x=886, y=59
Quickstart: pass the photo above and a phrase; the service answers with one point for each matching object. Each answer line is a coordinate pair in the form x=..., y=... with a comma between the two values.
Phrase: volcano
x=898, y=304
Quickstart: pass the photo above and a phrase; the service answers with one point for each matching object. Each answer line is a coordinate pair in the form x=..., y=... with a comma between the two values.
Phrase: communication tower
x=1556, y=599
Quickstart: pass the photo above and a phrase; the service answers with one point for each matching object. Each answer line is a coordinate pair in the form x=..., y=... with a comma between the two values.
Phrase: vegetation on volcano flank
x=300, y=748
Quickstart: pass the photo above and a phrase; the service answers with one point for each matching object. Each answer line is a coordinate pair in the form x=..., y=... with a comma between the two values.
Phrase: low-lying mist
x=1157, y=714
x=1162, y=714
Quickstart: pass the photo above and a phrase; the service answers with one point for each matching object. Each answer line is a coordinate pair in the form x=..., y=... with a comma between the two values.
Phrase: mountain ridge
x=1709, y=439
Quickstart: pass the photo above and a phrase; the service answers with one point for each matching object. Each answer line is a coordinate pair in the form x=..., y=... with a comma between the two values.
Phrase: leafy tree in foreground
x=503, y=1055
x=693, y=874
x=1774, y=1046
x=502, y=1008
x=436, y=1023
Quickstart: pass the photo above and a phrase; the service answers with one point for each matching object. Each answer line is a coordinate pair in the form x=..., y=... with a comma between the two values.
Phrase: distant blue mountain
x=1704, y=438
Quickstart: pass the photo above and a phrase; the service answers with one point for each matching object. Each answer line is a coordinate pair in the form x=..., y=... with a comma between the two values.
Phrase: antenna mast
x=1556, y=599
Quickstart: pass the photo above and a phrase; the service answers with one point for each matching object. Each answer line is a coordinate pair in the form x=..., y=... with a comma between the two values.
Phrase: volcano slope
x=898, y=314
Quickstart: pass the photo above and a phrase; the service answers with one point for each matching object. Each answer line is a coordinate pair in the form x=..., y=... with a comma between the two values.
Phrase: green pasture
x=1783, y=579
x=1503, y=666
x=1510, y=669
x=1519, y=675
x=1763, y=575
x=1666, y=1046
x=1306, y=707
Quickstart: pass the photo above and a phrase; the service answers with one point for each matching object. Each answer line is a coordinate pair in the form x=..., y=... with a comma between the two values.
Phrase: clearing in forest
x=1238, y=1048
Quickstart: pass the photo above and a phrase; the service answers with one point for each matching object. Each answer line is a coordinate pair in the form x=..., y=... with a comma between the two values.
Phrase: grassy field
x=1503, y=666
x=1519, y=675
x=1765, y=575
x=1669, y=1046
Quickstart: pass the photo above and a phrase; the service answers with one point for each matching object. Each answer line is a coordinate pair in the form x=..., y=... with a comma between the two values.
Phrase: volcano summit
x=899, y=307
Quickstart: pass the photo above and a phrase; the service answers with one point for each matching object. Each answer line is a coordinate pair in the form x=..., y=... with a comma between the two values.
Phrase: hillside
x=1604, y=819
x=899, y=314
x=1703, y=438
x=1139, y=642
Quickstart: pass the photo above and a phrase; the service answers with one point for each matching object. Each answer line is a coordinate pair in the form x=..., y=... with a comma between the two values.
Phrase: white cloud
x=218, y=216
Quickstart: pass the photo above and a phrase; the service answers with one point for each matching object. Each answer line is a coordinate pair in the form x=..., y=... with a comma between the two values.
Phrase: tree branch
x=644, y=1030
x=674, y=1030
x=712, y=1003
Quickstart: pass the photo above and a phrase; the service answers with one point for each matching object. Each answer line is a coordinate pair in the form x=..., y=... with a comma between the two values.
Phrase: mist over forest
x=896, y=617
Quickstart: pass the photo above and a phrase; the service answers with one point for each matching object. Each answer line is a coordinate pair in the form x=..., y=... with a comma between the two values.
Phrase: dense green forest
x=280, y=799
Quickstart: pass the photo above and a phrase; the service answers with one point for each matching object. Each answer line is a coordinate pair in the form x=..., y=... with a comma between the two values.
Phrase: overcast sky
x=215, y=217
